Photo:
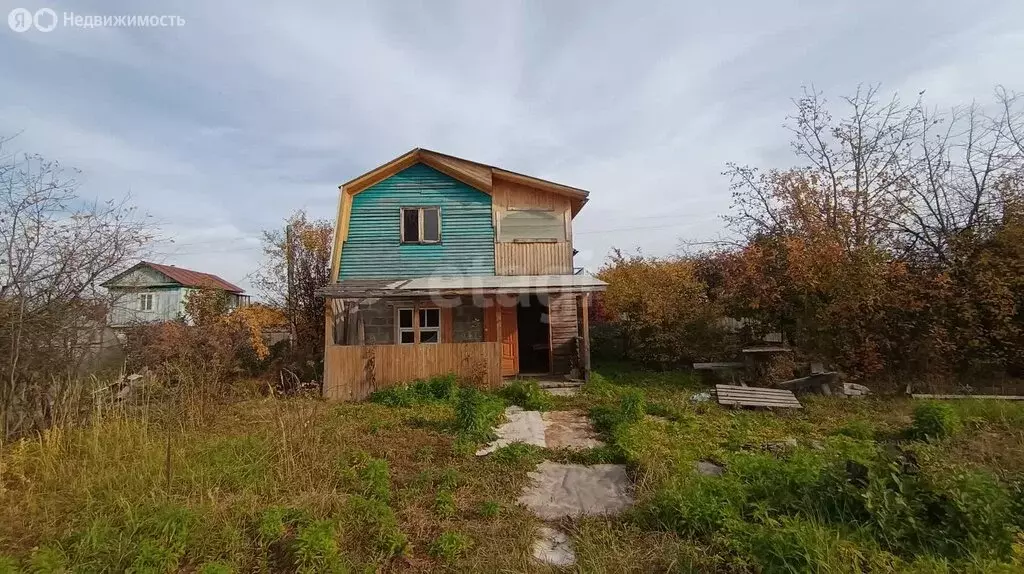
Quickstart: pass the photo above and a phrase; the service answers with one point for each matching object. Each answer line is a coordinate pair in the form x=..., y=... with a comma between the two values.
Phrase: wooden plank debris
x=776, y=349
x=996, y=397
x=815, y=381
x=717, y=366
x=731, y=395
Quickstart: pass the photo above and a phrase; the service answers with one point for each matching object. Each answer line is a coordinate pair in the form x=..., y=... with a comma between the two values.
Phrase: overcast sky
x=223, y=126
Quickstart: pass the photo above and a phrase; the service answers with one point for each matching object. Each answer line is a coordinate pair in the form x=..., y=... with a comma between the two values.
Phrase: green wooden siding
x=374, y=250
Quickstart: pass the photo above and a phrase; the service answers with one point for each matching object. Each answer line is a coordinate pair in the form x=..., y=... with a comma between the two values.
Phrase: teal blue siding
x=374, y=250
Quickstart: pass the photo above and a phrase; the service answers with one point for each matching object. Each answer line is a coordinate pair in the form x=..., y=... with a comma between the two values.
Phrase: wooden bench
x=730, y=395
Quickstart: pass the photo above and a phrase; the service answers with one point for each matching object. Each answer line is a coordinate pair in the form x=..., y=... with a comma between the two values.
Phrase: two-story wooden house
x=445, y=265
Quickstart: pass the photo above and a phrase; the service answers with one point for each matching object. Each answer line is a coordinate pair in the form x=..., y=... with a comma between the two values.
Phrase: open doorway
x=534, y=342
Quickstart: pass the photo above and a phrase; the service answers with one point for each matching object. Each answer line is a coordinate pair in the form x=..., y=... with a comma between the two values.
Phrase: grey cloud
x=220, y=128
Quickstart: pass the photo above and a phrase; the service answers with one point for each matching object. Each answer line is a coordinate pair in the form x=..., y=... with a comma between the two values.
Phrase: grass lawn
x=304, y=485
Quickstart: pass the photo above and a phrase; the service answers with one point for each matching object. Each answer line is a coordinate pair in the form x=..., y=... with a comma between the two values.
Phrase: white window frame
x=145, y=301
x=419, y=227
x=417, y=329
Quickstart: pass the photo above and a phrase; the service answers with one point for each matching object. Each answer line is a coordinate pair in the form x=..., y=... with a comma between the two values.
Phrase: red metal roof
x=189, y=278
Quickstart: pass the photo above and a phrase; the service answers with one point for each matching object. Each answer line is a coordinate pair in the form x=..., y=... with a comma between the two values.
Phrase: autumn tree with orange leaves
x=297, y=263
x=212, y=346
x=893, y=247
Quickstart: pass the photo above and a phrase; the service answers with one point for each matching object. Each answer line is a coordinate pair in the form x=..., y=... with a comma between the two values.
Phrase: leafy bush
x=442, y=388
x=48, y=559
x=449, y=479
x=1016, y=491
x=395, y=397
x=934, y=420
x=858, y=429
x=375, y=520
x=450, y=545
x=216, y=568
x=517, y=453
x=375, y=479
x=604, y=454
x=527, y=394
x=316, y=548
x=444, y=504
x=697, y=507
x=779, y=486
x=476, y=413
x=272, y=523
x=631, y=409
x=792, y=545
x=490, y=509
x=972, y=513
x=891, y=501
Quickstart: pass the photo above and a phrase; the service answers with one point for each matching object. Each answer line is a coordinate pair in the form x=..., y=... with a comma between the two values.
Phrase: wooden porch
x=380, y=335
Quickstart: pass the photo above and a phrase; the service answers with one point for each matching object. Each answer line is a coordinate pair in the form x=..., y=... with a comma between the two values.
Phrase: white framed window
x=427, y=324
x=145, y=302
x=421, y=224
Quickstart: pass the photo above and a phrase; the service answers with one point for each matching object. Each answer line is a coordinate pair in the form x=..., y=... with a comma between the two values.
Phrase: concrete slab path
x=559, y=491
x=553, y=547
x=519, y=426
x=555, y=429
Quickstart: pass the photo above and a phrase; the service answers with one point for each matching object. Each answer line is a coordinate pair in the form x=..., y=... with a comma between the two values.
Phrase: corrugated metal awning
x=463, y=285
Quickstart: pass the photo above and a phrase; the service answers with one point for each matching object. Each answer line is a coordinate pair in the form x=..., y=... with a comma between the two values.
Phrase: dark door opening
x=534, y=347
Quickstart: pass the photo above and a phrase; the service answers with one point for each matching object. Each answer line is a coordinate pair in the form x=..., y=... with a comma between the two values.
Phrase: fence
x=352, y=372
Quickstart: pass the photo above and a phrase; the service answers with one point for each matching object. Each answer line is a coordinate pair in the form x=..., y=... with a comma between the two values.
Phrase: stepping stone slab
x=708, y=468
x=553, y=547
x=569, y=429
x=561, y=392
x=555, y=429
x=519, y=426
x=559, y=491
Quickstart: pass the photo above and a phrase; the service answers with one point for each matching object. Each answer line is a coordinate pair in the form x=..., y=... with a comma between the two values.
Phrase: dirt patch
x=569, y=429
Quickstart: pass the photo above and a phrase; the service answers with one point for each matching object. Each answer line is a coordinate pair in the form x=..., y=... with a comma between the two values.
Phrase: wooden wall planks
x=522, y=258
x=564, y=328
x=353, y=372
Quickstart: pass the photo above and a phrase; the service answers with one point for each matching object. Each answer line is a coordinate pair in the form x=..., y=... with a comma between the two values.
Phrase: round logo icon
x=20, y=19
x=45, y=19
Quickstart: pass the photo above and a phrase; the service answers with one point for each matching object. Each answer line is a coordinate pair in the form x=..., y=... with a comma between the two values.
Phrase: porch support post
x=585, y=335
x=328, y=323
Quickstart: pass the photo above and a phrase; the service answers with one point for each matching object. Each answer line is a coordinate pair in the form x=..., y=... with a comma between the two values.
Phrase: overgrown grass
x=477, y=413
x=527, y=394
x=302, y=485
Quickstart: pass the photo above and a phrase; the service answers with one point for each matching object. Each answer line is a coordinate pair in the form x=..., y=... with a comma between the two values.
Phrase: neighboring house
x=150, y=292
x=442, y=265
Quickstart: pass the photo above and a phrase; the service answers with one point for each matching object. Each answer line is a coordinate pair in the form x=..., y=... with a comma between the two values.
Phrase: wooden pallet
x=733, y=396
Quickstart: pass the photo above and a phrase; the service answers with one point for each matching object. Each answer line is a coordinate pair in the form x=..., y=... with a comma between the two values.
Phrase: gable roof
x=474, y=174
x=182, y=276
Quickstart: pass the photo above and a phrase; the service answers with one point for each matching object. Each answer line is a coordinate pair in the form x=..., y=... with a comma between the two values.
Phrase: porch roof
x=463, y=285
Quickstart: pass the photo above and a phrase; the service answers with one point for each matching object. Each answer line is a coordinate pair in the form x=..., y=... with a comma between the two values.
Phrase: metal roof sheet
x=464, y=284
x=186, y=277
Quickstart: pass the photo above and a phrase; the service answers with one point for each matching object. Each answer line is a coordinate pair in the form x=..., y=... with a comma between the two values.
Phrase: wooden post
x=585, y=305
x=328, y=323
x=416, y=322
x=447, y=325
x=497, y=321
